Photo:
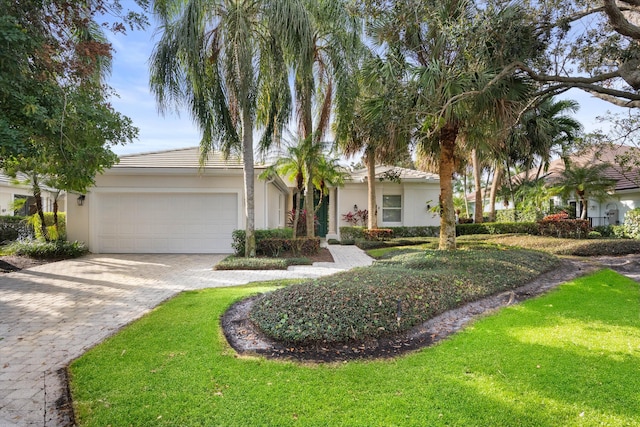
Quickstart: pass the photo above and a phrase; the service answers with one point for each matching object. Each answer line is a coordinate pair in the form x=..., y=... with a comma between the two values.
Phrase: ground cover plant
x=577, y=247
x=233, y=262
x=393, y=295
x=569, y=358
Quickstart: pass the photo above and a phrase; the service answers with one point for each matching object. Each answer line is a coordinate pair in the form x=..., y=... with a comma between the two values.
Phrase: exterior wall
x=623, y=203
x=269, y=211
x=415, y=198
x=8, y=193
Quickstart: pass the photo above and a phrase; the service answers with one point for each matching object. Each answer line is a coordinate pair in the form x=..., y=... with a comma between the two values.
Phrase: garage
x=168, y=202
x=165, y=222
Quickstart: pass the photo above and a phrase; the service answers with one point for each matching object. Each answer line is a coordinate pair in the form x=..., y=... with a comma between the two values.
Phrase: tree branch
x=618, y=20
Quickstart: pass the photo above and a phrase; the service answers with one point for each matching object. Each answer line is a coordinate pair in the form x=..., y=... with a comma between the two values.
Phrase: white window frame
x=391, y=208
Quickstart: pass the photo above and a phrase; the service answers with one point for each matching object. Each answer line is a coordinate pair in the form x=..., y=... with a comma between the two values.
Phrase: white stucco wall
x=415, y=197
x=269, y=211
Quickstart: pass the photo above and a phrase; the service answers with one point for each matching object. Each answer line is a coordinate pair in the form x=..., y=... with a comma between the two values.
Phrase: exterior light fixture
x=80, y=199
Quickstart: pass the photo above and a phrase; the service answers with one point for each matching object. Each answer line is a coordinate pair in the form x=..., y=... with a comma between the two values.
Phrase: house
x=623, y=168
x=11, y=193
x=164, y=202
x=405, y=197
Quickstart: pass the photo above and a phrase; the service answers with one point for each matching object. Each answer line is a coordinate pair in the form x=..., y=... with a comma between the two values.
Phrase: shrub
x=239, y=237
x=605, y=230
x=351, y=233
x=53, y=234
x=242, y=263
x=358, y=217
x=333, y=241
x=378, y=234
x=302, y=222
x=14, y=228
x=416, y=231
x=497, y=228
x=618, y=231
x=510, y=215
x=393, y=295
x=594, y=235
x=558, y=225
x=58, y=249
x=632, y=223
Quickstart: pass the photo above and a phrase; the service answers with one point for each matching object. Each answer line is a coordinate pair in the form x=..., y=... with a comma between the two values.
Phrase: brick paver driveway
x=53, y=313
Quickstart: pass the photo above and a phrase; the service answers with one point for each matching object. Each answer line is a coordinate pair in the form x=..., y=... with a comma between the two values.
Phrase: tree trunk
x=448, y=136
x=477, y=215
x=249, y=205
x=497, y=177
x=308, y=203
x=37, y=194
x=55, y=216
x=297, y=206
x=372, y=219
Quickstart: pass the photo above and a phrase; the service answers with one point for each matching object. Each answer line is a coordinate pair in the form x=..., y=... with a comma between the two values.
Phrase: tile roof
x=404, y=174
x=178, y=158
x=626, y=177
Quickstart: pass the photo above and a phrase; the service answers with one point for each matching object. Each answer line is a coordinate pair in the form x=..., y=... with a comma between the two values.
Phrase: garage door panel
x=166, y=222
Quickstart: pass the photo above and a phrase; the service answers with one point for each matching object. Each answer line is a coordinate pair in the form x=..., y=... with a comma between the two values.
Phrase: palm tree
x=586, y=182
x=324, y=78
x=456, y=94
x=327, y=173
x=381, y=124
x=226, y=61
x=544, y=130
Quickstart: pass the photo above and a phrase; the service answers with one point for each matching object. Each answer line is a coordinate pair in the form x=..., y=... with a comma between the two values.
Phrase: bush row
x=276, y=241
x=58, y=249
x=354, y=234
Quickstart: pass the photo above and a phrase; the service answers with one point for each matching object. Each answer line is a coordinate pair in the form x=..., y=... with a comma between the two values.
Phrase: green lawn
x=568, y=358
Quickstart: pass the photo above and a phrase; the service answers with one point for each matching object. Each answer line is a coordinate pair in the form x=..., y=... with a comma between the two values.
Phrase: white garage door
x=165, y=223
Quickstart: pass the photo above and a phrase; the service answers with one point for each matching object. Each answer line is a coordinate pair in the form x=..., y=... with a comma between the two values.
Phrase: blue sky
x=130, y=79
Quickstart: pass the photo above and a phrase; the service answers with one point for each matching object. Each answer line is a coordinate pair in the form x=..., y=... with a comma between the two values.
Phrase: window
x=392, y=208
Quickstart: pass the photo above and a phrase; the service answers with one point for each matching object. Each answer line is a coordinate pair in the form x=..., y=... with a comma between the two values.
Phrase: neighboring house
x=164, y=202
x=626, y=195
x=11, y=193
x=405, y=197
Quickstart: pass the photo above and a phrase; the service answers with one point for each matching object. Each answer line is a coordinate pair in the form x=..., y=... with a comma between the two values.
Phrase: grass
x=570, y=358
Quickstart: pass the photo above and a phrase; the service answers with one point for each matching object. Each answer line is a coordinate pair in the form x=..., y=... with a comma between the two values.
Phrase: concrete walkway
x=53, y=313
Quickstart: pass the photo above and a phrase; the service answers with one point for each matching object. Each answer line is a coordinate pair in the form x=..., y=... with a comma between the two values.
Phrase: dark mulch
x=10, y=263
x=246, y=338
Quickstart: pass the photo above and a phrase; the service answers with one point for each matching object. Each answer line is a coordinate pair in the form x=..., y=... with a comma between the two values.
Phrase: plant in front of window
x=360, y=216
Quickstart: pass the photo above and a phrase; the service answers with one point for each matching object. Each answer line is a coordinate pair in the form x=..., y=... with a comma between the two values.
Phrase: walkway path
x=51, y=314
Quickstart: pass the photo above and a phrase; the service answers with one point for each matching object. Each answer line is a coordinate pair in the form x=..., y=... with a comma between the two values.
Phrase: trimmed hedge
x=239, y=237
x=58, y=249
x=497, y=228
x=350, y=235
x=276, y=241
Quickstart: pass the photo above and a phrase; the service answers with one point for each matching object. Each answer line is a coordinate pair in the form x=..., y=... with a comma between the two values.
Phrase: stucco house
x=626, y=194
x=164, y=202
x=11, y=193
x=404, y=198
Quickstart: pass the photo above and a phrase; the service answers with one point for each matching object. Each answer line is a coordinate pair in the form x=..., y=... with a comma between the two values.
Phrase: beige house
x=404, y=198
x=164, y=202
x=11, y=193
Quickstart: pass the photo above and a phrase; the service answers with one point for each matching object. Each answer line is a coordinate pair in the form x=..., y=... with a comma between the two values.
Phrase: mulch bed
x=246, y=338
x=10, y=263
